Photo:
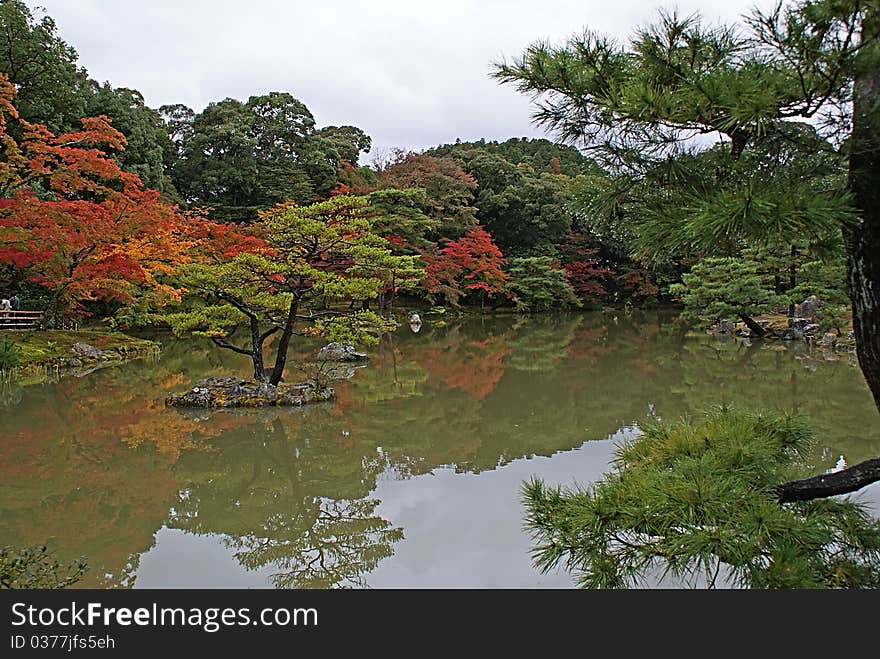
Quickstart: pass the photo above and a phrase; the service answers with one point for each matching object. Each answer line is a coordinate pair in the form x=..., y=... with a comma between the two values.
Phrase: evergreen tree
x=538, y=283
x=52, y=88
x=315, y=260
x=697, y=500
x=239, y=158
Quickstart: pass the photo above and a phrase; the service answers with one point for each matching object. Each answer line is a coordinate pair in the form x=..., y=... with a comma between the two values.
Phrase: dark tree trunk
x=863, y=258
x=257, y=351
x=738, y=141
x=756, y=329
x=393, y=293
x=792, y=280
x=863, y=240
x=284, y=343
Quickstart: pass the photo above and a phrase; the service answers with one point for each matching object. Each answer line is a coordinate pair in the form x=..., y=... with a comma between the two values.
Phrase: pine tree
x=314, y=261
x=702, y=495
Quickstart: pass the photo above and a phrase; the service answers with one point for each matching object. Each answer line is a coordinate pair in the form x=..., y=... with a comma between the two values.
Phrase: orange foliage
x=77, y=224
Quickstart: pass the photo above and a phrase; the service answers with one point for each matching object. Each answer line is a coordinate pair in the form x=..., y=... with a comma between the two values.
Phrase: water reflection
x=283, y=495
x=95, y=466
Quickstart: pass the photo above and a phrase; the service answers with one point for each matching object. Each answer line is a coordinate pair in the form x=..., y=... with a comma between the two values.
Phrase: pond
x=410, y=478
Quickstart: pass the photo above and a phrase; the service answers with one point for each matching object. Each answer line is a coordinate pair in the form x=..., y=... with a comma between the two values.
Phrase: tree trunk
x=257, y=351
x=738, y=140
x=284, y=343
x=792, y=280
x=863, y=240
x=863, y=258
x=393, y=293
x=759, y=331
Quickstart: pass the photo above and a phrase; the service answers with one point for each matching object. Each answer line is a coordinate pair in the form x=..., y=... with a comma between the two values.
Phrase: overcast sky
x=411, y=73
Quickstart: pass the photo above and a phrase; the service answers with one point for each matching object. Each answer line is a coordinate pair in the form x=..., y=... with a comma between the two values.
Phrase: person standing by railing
x=15, y=302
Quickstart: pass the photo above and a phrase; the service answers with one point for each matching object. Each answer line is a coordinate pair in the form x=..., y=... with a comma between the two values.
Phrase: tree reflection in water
x=291, y=496
x=94, y=466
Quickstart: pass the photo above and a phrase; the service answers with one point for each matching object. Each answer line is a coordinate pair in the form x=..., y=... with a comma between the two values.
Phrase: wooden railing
x=20, y=319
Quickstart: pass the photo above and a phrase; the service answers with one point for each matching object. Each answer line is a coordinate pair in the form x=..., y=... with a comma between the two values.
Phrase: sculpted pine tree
x=315, y=260
x=539, y=283
x=718, y=288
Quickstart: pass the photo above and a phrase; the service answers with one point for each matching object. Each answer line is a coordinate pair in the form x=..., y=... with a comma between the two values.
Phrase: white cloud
x=410, y=73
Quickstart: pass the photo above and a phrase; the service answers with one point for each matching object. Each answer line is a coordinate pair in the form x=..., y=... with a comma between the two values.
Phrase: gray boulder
x=86, y=350
x=828, y=339
x=340, y=352
x=809, y=308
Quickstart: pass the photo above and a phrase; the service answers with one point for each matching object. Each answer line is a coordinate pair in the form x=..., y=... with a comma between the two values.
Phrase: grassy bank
x=47, y=348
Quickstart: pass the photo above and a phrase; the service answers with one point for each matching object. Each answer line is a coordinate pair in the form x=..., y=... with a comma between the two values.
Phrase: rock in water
x=234, y=392
x=86, y=350
x=340, y=352
x=722, y=327
x=809, y=308
x=828, y=339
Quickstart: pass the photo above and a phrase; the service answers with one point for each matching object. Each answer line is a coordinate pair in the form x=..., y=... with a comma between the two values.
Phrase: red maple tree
x=473, y=263
x=588, y=276
x=73, y=222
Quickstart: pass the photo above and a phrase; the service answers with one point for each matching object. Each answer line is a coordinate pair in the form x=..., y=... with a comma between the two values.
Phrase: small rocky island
x=227, y=392
x=217, y=391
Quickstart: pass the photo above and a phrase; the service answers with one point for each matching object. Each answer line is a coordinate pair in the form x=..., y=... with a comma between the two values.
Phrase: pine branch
x=827, y=485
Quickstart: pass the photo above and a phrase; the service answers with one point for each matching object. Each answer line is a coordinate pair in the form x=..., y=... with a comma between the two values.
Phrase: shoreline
x=70, y=351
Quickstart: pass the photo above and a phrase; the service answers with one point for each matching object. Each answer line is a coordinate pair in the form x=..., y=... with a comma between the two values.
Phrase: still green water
x=410, y=478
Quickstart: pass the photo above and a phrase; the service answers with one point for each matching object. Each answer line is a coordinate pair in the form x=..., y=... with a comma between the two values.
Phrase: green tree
x=148, y=148
x=239, y=158
x=717, y=288
x=538, y=283
x=449, y=191
x=55, y=91
x=526, y=211
x=401, y=219
x=52, y=89
x=540, y=155
x=698, y=499
x=316, y=258
x=768, y=179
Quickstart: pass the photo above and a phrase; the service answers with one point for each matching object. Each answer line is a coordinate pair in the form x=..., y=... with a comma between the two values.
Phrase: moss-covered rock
x=235, y=392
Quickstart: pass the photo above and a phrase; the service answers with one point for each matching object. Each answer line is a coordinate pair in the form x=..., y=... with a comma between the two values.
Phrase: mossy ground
x=47, y=347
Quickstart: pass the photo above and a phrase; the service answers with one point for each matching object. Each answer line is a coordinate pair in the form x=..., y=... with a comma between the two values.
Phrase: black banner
x=414, y=621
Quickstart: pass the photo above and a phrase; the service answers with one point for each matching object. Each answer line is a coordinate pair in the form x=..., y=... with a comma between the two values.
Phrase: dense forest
x=526, y=224
x=488, y=222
